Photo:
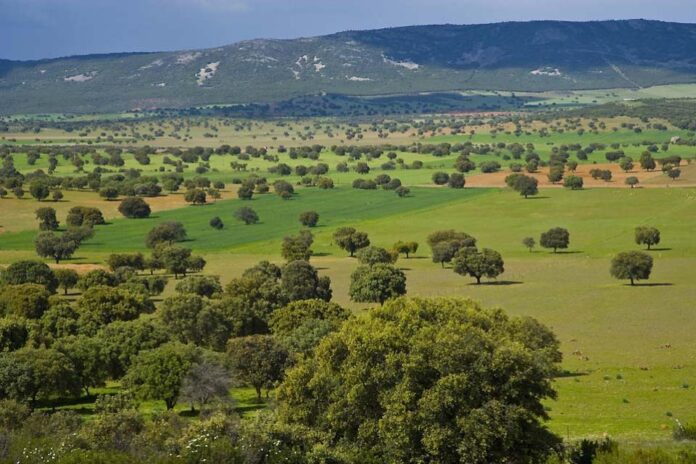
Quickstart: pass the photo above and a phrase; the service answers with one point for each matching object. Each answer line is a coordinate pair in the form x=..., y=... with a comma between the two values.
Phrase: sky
x=33, y=29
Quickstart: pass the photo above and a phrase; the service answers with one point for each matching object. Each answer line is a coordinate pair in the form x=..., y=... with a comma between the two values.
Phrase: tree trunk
x=632, y=283
x=478, y=280
x=258, y=392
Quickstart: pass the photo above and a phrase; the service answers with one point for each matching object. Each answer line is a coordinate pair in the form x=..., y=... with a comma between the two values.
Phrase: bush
x=216, y=223
x=134, y=207
x=309, y=218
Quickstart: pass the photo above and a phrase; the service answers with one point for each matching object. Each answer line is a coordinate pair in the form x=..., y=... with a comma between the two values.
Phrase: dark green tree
x=632, y=265
x=555, y=238
x=377, y=284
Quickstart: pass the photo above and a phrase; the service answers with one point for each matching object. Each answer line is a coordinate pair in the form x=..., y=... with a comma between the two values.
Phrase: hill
x=515, y=56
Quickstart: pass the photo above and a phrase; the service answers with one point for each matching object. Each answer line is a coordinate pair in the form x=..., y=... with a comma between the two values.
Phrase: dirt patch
x=80, y=268
x=647, y=179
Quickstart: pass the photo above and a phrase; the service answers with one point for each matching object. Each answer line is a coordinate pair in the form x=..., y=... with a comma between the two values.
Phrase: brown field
x=647, y=179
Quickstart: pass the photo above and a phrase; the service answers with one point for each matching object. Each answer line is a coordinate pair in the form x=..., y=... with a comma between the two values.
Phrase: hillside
x=531, y=56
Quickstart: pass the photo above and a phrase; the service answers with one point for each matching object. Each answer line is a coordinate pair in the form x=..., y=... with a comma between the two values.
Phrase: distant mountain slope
x=531, y=56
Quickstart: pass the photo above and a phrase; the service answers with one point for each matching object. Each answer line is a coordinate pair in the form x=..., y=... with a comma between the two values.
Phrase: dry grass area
x=647, y=179
x=17, y=215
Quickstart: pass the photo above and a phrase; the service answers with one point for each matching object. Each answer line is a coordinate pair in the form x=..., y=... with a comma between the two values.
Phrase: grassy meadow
x=629, y=352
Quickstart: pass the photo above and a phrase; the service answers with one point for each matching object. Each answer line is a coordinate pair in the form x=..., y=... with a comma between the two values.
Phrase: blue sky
x=31, y=29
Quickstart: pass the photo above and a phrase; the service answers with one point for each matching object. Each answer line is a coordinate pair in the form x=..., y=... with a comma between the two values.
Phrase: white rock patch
x=155, y=63
x=358, y=79
x=84, y=77
x=187, y=57
x=554, y=72
x=410, y=65
x=207, y=72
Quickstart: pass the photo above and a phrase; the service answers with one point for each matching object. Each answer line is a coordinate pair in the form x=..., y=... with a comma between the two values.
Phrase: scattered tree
x=134, y=207
x=247, y=215
x=555, y=238
x=647, y=236
x=350, y=240
x=632, y=265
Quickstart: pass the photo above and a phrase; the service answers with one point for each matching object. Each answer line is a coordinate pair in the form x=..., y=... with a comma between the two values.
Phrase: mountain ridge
x=513, y=56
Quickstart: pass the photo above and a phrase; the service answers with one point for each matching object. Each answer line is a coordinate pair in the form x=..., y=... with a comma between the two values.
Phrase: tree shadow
x=660, y=249
x=323, y=253
x=541, y=197
x=660, y=284
x=566, y=252
x=564, y=374
x=496, y=282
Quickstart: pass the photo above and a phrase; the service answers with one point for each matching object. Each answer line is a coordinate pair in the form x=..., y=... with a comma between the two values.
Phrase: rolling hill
x=515, y=56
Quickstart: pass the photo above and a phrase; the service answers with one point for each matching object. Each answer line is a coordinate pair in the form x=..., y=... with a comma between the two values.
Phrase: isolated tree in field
x=18, y=192
x=420, y=354
x=216, y=223
x=573, y=182
x=247, y=215
x=350, y=240
x=257, y=360
x=39, y=190
x=134, y=207
x=56, y=247
x=166, y=232
x=372, y=255
x=674, y=173
x=572, y=165
x=478, y=264
x=632, y=181
x=195, y=196
x=406, y=248
x=647, y=236
x=309, y=218
x=632, y=265
x=402, y=192
x=626, y=163
x=376, y=284
x=47, y=219
x=297, y=247
x=555, y=238
x=158, y=374
x=525, y=185
x=529, y=243
x=440, y=178
x=67, y=279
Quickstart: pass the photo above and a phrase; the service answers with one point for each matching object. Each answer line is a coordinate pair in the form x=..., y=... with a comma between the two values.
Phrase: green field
x=624, y=378
x=628, y=351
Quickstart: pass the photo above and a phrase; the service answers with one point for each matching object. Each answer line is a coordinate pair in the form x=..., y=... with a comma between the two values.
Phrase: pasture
x=629, y=365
